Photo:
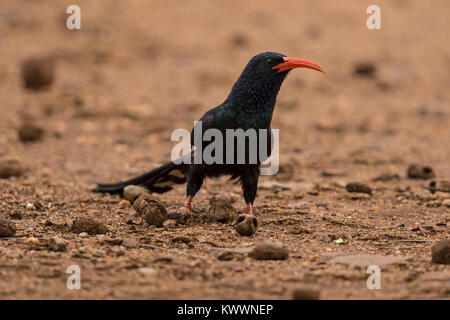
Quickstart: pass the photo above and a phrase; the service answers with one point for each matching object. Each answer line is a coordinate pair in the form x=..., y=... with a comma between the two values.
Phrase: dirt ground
x=137, y=70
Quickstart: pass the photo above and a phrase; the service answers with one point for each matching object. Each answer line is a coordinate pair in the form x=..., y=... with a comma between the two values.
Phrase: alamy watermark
x=235, y=146
x=74, y=280
x=374, y=281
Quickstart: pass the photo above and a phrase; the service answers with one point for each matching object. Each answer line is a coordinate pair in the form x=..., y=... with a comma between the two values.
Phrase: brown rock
x=246, y=224
x=30, y=131
x=269, y=250
x=169, y=223
x=57, y=244
x=230, y=255
x=441, y=252
x=222, y=212
x=358, y=188
x=443, y=186
x=90, y=225
x=417, y=171
x=7, y=228
x=38, y=73
x=124, y=204
x=131, y=193
x=10, y=167
x=179, y=214
x=150, y=210
x=130, y=243
x=365, y=69
x=306, y=293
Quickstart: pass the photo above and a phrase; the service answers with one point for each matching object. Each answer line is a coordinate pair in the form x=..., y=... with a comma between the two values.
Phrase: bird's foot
x=188, y=204
x=249, y=209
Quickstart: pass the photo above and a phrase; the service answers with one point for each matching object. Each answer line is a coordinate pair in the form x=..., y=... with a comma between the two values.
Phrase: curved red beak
x=291, y=63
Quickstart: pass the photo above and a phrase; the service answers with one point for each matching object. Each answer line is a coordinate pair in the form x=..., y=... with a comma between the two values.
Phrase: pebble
x=31, y=240
x=269, y=250
x=365, y=69
x=30, y=206
x=230, y=255
x=38, y=73
x=441, y=252
x=10, y=167
x=124, y=204
x=147, y=271
x=358, y=187
x=417, y=171
x=30, y=131
x=222, y=212
x=150, y=210
x=57, y=244
x=170, y=223
x=7, y=228
x=90, y=225
x=246, y=225
x=443, y=186
x=131, y=193
x=130, y=243
x=306, y=293
x=177, y=213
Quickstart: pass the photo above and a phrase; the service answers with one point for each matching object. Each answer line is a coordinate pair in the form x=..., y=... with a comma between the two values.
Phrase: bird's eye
x=269, y=61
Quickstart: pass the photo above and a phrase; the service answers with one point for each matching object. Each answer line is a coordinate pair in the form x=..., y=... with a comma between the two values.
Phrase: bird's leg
x=188, y=203
x=249, y=179
x=250, y=208
x=195, y=179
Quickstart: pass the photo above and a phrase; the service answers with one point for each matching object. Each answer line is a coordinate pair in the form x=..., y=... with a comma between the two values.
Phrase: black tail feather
x=157, y=180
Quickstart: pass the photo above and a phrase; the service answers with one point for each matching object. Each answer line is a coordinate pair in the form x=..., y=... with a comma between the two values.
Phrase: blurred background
x=139, y=69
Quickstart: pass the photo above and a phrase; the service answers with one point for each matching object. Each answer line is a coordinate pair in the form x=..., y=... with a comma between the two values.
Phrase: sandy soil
x=139, y=69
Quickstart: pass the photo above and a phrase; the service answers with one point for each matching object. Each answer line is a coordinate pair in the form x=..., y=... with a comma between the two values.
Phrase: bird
x=249, y=106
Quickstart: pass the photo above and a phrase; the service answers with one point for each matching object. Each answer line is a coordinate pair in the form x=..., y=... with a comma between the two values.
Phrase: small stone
x=364, y=69
x=443, y=186
x=306, y=293
x=170, y=223
x=181, y=239
x=10, y=167
x=114, y=241
x=222, y=212
x=124, y=204
x=177, y=213
x=32, y=241
x=30, y=206
x=417, y=171
x=269, y=250
x=131, y=193
x=57, y=244
x=130, y=243
x=386, y=177
x=90, y=225
x=147, y=271
x=441, y=252
x=30, y=131
x=230, y=255
x=16, y=215
x=246, y=224
x=150, y=210
x=358, y=187
x=38, y=72
x=7, y=228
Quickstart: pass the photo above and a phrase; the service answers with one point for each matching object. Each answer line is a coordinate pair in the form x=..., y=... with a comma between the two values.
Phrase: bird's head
x=264, y=74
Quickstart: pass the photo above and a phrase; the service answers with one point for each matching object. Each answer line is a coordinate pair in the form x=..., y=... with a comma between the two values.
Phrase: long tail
x=160, y=179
